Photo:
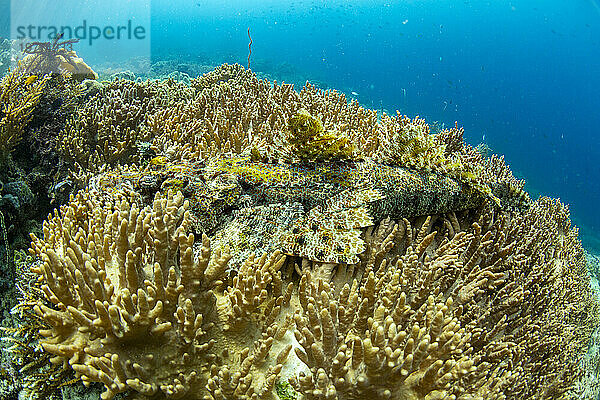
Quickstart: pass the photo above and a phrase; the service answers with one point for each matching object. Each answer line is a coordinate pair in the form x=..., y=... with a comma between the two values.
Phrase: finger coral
x=107, y=129
x=124, y=280
x=427, y=312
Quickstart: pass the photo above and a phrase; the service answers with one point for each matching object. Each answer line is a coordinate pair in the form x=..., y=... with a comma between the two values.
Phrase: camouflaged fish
x=343, y=197
x=313, y=210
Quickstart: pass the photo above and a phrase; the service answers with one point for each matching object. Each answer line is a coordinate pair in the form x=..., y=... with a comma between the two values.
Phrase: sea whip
x=249, y=47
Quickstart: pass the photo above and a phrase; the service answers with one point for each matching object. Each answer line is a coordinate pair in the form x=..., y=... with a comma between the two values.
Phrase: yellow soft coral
x=311, y=142
x=131, y=304
x=19, y=95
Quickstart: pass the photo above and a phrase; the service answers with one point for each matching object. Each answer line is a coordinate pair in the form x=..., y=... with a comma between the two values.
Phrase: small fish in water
x=31, y=79
x=354, y=93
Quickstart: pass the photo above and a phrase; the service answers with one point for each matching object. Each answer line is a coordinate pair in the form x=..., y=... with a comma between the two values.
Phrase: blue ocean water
x=521, y=76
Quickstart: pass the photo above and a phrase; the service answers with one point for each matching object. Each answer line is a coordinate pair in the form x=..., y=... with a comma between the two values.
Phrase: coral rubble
x=241, y=240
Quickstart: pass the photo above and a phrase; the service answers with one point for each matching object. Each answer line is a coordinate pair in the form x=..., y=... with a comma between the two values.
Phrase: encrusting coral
x=287, y=245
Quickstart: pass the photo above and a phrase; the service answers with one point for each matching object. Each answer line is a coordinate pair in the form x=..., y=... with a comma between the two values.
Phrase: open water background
x=523, y=76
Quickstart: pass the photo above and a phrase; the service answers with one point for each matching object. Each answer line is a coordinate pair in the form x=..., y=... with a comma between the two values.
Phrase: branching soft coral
x=309, y=141
x=20, y=93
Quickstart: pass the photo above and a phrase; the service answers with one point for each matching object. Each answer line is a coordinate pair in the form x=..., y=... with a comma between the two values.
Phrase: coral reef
x=422, y=314
x=241, y=240
x=5, y=56
x=168, y=296
x=588, y=386
x=20, y=93
x=30, y=373
x=234, y=112
x=33, y=109
x=107, y=128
